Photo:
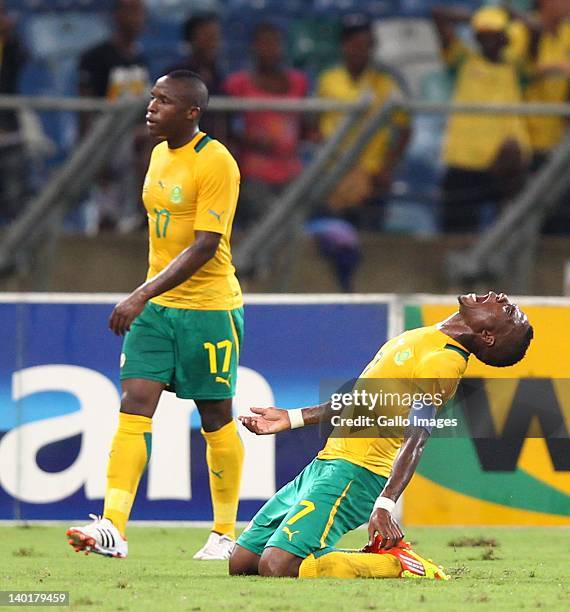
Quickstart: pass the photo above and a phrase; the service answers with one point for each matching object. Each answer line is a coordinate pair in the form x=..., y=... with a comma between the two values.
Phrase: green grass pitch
x=492, y=568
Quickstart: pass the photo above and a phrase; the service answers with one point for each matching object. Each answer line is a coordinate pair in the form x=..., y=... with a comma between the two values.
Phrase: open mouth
x=473, y=298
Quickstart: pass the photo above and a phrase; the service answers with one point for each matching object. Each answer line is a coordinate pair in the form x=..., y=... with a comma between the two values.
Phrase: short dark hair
x=200, y=95
x=355, y=23
x=117, y=5
x=195, y=22
x=265, y=27
x=514, y=353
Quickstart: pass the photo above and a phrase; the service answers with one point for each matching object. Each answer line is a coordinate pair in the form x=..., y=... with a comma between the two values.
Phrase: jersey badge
x=402, y=356
x=176, y=194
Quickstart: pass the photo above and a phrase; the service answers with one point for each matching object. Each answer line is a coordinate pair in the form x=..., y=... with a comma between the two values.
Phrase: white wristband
x=296, y=418
x=385, y=503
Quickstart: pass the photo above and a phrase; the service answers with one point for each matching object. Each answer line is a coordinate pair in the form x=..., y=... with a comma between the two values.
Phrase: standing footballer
x=183, y=327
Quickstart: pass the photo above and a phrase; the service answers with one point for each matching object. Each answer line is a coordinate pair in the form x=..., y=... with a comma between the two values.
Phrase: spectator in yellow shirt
x=486, y=156
x=543, y=41
x=355, y=200
x=347, y=82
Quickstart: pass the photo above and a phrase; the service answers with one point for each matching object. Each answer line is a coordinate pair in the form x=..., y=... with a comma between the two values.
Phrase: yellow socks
x=224, y=456
x=348, y=564
x=130, y=453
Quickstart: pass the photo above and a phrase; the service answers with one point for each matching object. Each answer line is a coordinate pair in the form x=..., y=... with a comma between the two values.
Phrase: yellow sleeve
x=218, y=188
x=438, y=374
x=328, y=122
x=321, y=89
x=400, y=118
x=455, y=54
x=518, y=47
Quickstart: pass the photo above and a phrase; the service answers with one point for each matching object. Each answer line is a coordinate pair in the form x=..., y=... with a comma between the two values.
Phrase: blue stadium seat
x=63, y=35
x=411, y=45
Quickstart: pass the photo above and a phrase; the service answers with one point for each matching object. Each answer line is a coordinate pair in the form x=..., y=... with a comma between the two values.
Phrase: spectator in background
x=116, y=69
x=267, y=141
x=203, y=34
x=543, y=41
x=12, y=181
x=487, y=156
x=369, y=182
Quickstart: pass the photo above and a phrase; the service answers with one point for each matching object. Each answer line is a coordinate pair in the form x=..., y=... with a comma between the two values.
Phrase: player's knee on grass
x=243, y=562
x=276, y=562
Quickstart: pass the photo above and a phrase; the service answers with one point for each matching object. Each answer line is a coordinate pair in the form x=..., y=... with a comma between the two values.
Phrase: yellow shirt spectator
x=338, y=83
x=473, y=141
x=547, y=87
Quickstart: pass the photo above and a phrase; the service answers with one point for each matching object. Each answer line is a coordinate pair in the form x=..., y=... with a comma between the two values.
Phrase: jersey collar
x=454, y=344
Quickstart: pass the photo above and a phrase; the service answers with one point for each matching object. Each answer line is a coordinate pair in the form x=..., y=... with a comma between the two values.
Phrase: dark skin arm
x=381, y=521
x=180, y=269
x=445, y=20
x=533, y=26
x=273, y=420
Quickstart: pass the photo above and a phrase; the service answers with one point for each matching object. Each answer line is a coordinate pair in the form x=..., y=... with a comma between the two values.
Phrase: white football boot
x=217, y=548
x=100, y=536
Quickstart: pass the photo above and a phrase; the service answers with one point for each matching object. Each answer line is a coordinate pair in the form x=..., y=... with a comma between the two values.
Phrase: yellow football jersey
x=553, y=48
x=337, y=83
x=473, y=141
x=194, y=187
x=425, y=353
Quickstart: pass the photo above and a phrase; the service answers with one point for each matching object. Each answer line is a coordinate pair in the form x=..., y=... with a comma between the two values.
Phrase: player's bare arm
x=180, y=269
x=273, y=420
x=381, y=521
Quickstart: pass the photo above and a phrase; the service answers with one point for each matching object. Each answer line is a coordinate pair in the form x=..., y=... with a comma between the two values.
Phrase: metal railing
x=40, y=221
x=514, y=232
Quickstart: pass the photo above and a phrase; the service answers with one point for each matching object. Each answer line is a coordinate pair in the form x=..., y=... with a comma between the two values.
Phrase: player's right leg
x=130, y=454
x=252, y=541
x=147, y=364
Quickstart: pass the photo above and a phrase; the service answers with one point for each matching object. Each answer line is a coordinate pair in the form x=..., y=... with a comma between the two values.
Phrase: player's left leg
x=397, y=562
x=337, y=498
x=224, y=456
x=243, y=562
x=254, y=538
x=208, y=345
x=329, y=563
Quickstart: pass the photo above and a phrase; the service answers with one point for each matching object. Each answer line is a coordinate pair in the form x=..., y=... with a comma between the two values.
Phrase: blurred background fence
x=56, y=194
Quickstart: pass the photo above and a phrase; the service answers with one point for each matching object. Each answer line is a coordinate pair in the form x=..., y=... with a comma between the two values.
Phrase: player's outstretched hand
x=267, y=421
x=382, y=523
x=125, y=312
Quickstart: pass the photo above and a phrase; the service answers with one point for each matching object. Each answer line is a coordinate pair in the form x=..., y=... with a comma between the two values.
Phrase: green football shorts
x=194, y=352
x=327, y=499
